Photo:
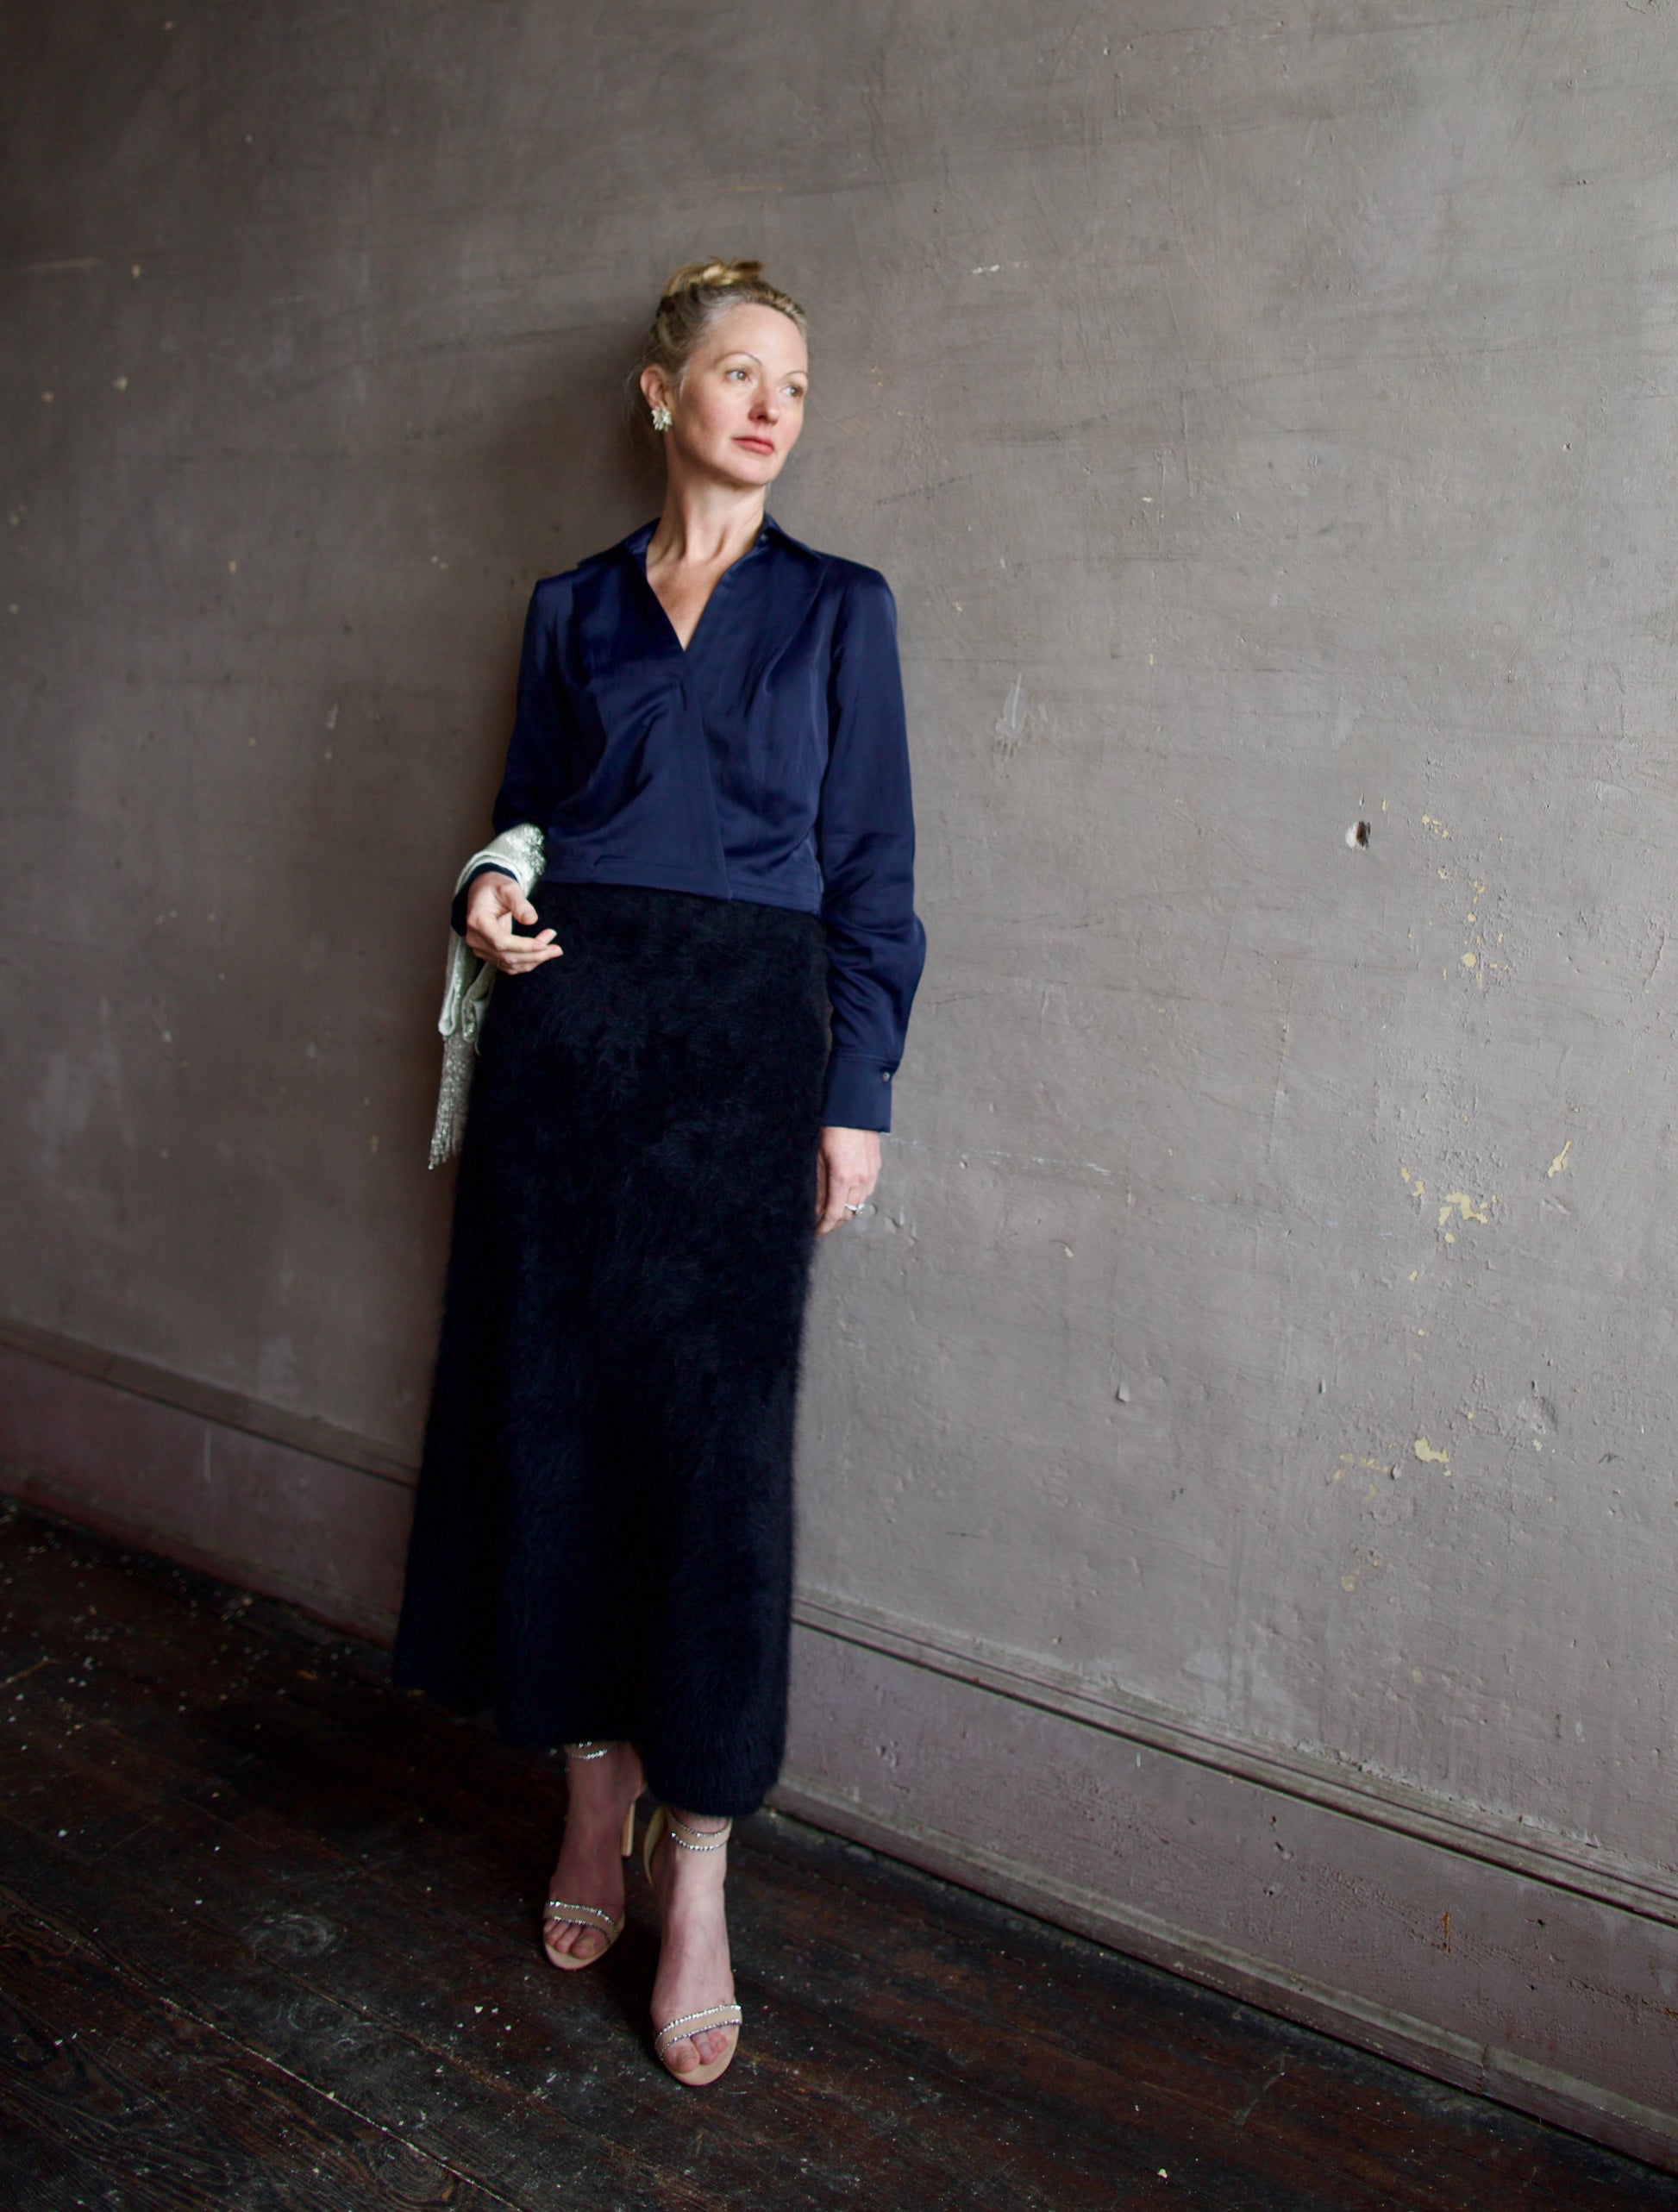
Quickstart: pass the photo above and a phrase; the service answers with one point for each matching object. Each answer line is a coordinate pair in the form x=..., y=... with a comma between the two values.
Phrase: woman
x=683, y=1078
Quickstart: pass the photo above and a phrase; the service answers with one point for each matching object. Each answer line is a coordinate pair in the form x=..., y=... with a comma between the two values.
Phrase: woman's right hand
x=493, y=904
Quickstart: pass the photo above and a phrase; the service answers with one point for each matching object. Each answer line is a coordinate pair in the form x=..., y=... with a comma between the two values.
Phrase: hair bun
x=715, y=275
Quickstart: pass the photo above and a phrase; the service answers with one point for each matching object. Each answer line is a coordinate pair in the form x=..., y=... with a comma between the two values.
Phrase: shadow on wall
x=413, y=705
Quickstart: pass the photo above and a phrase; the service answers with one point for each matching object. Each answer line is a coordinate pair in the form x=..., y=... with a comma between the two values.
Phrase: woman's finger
x=836, y=1212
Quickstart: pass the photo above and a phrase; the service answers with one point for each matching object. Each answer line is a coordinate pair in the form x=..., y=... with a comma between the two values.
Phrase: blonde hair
x=697, y=295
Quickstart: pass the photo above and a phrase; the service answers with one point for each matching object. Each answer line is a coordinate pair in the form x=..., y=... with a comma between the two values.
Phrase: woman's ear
x=652, y=388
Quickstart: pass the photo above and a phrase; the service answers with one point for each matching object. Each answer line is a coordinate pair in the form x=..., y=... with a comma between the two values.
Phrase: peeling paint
x=1352, y=1459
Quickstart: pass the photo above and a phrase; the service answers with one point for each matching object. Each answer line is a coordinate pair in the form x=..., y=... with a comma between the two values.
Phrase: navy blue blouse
x=769, y=761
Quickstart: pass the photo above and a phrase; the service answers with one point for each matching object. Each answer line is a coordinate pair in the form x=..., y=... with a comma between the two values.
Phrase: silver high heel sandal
x=664, y=1822
x=594, y=1916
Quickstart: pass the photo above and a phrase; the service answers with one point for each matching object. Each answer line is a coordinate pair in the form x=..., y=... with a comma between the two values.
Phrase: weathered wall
x=1261, y=1365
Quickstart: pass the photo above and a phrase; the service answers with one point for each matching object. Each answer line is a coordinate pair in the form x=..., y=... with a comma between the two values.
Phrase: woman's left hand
x=847, y=1170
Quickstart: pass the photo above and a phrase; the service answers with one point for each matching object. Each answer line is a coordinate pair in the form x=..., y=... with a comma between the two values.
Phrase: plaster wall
x=1266, y=1333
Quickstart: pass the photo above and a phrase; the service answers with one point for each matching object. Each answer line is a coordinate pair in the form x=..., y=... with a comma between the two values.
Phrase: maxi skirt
x=602, y=1543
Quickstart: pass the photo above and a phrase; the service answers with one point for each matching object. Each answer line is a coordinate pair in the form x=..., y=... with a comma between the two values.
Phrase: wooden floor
x=268, y=1938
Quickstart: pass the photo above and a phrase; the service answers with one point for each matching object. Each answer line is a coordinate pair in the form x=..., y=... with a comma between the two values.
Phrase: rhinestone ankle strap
x=586, y=1750
x=692, y=1839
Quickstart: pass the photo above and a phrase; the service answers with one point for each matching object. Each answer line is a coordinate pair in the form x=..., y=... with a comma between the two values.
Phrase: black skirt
x=603, y=1535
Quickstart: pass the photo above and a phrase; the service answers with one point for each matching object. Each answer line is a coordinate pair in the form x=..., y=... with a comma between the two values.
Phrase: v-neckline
x=638, y=554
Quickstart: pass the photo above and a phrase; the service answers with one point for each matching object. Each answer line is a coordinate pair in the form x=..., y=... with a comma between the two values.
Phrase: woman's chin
x=742, y=470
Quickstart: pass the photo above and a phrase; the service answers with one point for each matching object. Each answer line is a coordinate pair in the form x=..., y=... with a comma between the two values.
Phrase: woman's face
x=738, y=410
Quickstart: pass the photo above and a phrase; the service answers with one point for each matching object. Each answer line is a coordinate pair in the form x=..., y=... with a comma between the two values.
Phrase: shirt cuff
x=858, y=1093
x=457, y=913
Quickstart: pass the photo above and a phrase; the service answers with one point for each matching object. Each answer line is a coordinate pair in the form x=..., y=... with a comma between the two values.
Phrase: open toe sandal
x=595, y=1916
x=664, y=1822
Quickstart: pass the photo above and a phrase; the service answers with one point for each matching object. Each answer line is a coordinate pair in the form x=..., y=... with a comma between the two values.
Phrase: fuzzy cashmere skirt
x=603, y=1535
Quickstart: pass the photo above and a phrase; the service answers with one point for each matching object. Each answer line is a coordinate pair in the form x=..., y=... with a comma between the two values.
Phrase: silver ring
x=854, y=1209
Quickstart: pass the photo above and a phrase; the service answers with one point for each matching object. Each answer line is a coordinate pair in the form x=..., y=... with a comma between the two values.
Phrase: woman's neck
x=705, y=525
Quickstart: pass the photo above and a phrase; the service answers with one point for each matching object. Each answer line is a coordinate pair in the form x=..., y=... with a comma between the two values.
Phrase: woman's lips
x=757, y=445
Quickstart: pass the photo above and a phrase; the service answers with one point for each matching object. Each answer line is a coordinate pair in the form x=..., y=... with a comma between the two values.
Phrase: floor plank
x=143, y=2090
x=268, y=1935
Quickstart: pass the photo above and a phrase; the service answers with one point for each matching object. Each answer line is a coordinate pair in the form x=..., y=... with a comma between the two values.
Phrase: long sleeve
x=864, y=839
x=536, y=752
x=536, y=774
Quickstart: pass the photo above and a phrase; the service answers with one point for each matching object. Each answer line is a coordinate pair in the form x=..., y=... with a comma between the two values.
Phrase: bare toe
x=567, y=1938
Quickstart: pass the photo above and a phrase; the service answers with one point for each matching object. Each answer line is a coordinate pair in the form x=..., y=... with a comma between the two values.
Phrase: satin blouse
x=768, y=761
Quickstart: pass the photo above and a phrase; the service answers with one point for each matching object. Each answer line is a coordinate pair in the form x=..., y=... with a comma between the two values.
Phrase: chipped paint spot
x=1417, y=1188
x=1471, y=959
x=1429, y=1456
x=1349, y=1582
x=1559, y=1162
x=1460, y=1203
x=1432, y=822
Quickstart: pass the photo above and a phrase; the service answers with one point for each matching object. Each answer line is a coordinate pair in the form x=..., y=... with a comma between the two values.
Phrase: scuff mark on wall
x=1020, y=718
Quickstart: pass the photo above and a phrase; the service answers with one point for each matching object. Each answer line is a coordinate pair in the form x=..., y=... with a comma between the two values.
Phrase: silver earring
x=660, y=420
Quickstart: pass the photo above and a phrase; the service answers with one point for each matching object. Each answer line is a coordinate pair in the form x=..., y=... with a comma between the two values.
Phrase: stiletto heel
x=594, y=1916
x=686, y=2025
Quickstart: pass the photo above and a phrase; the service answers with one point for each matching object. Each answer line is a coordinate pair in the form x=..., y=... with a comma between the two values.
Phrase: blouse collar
x=638, y=542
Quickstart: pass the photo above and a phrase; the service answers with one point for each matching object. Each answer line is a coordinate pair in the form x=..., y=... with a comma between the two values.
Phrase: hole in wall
x=1358, y=834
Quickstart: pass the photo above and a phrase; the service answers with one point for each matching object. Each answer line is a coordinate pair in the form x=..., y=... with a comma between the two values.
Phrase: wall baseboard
x=229, y=1409
x=170, y=1471
x=1526, y=1966
x=1527, y=2085
x=1473, y=1831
